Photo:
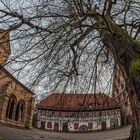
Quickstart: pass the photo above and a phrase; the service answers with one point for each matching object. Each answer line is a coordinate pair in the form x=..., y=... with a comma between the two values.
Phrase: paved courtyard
x=34, y=134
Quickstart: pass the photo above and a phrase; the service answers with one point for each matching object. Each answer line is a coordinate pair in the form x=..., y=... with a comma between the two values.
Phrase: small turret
x=4, y=46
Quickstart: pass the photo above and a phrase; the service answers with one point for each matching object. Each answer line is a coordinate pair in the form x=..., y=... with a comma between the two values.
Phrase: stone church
x=16, y=100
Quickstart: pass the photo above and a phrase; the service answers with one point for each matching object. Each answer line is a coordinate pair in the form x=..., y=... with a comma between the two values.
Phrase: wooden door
x=56, y=127
x=65, y=127
x=42, y=124
x=103, y=125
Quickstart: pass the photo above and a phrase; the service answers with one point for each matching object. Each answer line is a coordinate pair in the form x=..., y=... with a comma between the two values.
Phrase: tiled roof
x=77, y=101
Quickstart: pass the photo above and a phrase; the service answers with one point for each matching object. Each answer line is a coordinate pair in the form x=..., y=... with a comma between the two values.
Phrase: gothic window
x=17, y=112
x=20, y=111
x=10, y=107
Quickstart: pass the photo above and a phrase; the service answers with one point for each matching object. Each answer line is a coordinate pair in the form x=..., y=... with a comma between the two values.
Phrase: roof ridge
x=77, y=101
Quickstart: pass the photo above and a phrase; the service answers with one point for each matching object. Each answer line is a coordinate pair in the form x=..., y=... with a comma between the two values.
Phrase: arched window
x=20, y=111
x=17, y=112
x=10, y=107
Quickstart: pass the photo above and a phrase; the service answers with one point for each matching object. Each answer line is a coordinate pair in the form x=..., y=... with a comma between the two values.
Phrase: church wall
x=8, y=87
x=16, y=101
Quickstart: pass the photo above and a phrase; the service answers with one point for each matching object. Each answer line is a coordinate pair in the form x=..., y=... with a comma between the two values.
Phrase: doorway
x=56, y=127
x=83, y=128
x=103, y=125
x=42, y=124
x=114, y=123
x=65, y=127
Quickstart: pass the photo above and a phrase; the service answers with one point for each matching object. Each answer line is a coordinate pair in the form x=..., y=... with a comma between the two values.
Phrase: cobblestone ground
x=34, y=134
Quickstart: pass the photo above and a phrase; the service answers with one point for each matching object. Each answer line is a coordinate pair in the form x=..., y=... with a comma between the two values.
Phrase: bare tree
x=59, y=37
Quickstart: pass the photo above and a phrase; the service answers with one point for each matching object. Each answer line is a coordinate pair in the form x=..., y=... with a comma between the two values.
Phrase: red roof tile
x=77, y=101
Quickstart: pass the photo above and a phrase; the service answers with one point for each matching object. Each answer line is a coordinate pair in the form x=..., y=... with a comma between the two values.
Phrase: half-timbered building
x=78, y=112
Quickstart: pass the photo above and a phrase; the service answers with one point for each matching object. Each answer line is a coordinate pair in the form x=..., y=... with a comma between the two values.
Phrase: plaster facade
x=71, y=119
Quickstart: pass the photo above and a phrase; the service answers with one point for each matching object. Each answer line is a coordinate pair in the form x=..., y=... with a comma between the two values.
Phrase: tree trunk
x=122, y=47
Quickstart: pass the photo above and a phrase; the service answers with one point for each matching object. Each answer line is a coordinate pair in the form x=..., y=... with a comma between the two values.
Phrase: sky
x=50, y=77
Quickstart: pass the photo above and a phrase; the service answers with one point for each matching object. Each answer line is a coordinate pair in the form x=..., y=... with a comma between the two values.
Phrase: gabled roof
x=77, y=101
x=13, y=78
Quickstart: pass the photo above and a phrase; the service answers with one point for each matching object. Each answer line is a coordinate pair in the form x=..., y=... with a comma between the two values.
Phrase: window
x=104, y=113
x=10, y=107
x=96, y=113
x=20, y=111
x=76, y=125
x=90, y=125
x=49, y=124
